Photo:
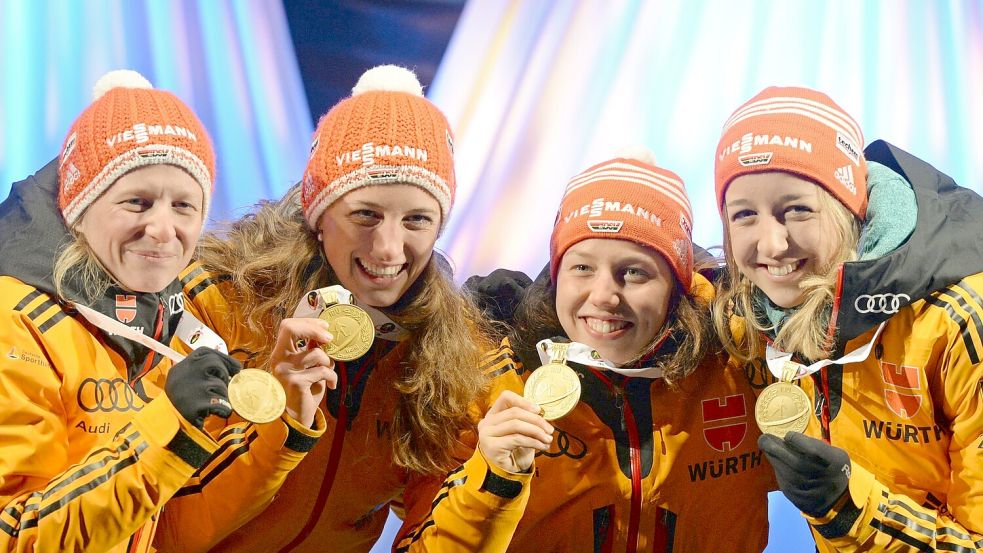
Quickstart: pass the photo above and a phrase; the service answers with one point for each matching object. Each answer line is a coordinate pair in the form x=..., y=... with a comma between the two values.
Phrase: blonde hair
x=806, y=330
x=687, y=322
x=273, y=258
x=77, y=261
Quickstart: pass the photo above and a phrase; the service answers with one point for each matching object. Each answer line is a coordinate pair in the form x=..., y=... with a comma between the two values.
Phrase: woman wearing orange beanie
x=660, y=452
x=361, y=229
x=97, y=430
x=861, y=270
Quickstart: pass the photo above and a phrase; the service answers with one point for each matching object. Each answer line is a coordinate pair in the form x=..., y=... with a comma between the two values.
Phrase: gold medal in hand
x=352, y=329
x=782, y=407
x=555, y=387
x=257, y=396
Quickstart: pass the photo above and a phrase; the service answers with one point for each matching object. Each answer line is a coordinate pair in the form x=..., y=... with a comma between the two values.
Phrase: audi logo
x=566, y=444
x=880, y=303
x=105, y=395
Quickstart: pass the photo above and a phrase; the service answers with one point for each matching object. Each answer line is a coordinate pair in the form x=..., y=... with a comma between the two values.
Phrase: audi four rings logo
x=105, y=395
x=880, y=303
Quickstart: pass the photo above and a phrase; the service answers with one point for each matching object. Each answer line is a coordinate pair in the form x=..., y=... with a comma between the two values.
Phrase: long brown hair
x=687, y=323
x=806, y=330
x=273, y=258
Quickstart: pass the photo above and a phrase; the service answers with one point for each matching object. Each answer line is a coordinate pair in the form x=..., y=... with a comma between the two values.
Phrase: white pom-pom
x=637, y=151
x=389, y=78
x=120, y=78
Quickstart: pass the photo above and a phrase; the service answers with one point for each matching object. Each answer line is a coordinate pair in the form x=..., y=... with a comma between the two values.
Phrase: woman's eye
x=138, y=203
x=798, y=210
x=365, y=216
x=635, y=274
x=742, y=215
x=419, y=220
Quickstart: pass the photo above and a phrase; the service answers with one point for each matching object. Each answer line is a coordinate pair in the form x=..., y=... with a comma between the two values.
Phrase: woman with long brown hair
x=377, y=191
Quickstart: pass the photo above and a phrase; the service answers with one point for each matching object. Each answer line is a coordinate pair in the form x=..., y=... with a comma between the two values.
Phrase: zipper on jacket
x=158, y=331
x=634, y=454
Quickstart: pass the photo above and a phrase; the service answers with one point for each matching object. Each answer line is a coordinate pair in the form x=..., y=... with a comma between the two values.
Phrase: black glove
x=499, y=293
x=813, y=475
x=198, y=386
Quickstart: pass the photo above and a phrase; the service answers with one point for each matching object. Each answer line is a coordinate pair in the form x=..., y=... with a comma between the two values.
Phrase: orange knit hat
x=800, y=131
x=386, y=132
x=628, y=199
x=129, y=125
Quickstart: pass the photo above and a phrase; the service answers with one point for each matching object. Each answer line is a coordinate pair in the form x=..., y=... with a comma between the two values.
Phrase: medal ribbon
x=315, y=301
x=586, y=355
x=187, y=327
x=781, y=365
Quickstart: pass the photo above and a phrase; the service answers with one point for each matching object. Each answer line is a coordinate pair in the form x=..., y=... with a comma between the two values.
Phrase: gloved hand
x=499, y=293
x=813, y=475
x=198, y=386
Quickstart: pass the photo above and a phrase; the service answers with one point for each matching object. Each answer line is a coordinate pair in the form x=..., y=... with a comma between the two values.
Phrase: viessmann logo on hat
x=598, y=206
x=750, y=140
x=367, y=153
x=141, y=132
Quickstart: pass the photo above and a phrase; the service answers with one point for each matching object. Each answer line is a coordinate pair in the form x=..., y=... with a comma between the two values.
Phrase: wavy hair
x=273, y=258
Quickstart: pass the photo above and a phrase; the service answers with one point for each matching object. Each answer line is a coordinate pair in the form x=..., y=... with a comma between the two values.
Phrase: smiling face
x=145, y=227
x=379, y=239
x=613, y=295
x=780, y=232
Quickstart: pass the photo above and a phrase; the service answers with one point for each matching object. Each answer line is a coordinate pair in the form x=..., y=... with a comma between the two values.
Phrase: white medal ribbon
x=586, y=355
x=316, y=301
x=190, y=324
x=777, y=358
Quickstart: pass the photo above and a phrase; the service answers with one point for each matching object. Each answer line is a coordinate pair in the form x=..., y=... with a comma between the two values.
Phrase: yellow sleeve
x=477, y=507
x=252, y=460
x=870, y=518
x=878, y=520
x=46, y=502
x=236, y=483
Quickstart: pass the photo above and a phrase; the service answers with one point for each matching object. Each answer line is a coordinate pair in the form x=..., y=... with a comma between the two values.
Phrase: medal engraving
x=257, y=396
x=352, y=329
x=781, y=408
x=555, y=387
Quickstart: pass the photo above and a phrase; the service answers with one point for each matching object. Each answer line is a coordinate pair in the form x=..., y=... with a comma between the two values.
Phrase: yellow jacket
x=339, y=497
x=88, y=459
x=911, y=418
x=636, y=466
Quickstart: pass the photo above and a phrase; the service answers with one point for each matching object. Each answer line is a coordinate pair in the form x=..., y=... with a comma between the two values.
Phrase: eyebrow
x=366, y=204
x=784, y=198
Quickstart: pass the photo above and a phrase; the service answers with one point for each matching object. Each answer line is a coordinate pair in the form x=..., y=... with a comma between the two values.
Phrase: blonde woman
x=98, y=431
x=377, y=191
x=860, y=269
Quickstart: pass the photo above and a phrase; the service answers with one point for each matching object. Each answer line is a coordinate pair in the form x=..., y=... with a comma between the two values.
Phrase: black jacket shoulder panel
x=945, y=247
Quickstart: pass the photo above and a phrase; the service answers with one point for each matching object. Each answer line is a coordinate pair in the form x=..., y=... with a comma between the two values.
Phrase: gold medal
x=781, y=408
x=257, y=395
x=555, y=387
x=352, y=329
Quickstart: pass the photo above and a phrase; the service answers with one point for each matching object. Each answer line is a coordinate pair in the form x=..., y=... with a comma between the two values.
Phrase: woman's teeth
x=605, y=327
x=781, y=271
